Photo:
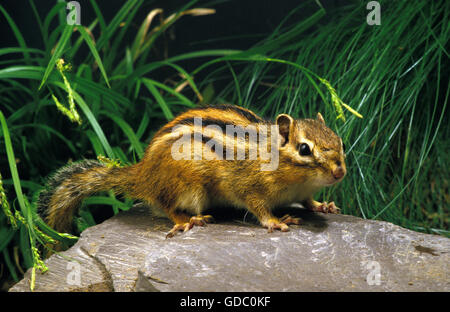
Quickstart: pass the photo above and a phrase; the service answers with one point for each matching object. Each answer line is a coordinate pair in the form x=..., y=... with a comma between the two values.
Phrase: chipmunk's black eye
x=304, y=150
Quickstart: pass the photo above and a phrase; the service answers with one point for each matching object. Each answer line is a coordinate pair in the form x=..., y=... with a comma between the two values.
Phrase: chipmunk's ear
x=320, y=118
x=285, y=125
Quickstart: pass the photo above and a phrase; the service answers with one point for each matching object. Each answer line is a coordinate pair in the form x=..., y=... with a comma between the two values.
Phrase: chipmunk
x=196, y=162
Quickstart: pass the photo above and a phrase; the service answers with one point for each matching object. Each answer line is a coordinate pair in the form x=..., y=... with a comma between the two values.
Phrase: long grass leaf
x=159, y=99
x=94, y=52
x=127, y=130
x=17, y=34
x=59, y=50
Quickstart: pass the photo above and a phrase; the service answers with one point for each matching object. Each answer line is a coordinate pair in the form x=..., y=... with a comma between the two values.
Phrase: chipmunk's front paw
x=327, y=208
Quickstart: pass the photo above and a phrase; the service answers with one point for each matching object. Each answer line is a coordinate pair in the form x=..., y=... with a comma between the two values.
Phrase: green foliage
x=118, y=95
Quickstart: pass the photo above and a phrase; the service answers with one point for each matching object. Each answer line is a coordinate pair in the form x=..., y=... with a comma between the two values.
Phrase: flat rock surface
x=129, y=252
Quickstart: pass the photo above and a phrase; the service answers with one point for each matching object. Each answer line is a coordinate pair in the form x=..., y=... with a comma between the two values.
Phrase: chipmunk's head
x=312, y=149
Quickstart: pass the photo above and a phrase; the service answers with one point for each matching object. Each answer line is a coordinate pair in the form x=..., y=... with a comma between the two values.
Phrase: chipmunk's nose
x=339, y=171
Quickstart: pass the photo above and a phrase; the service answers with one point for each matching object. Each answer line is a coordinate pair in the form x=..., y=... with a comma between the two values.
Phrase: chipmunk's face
x=313, y=149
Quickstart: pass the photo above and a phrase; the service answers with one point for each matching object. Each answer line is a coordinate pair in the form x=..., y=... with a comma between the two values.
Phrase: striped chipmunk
x=210, y=157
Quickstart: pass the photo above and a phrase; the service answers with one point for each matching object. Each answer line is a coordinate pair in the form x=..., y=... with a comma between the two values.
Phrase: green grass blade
x=13, y=169
x=100, y=18
x=17, y=34
x=9, y=264
x=94, y=123
x=103, y=200
x=59, y=50
x=58, y=7
x=94, y=52
x=181, y=97
x=159, y=99
x=6, y=235
x=115, y=22
x=128, y=132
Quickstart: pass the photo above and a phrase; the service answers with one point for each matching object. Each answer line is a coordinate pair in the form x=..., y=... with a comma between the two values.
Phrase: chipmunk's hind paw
x=201, y=220
x=275, y=224
x=282, y=224
x=287, y=219
x=184, y=227
x=179, y=227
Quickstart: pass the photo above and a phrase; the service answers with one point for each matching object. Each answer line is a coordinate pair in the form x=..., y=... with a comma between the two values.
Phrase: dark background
x=235, y=25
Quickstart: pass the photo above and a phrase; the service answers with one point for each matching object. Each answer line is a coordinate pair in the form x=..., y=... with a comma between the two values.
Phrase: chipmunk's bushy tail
x=68, y=186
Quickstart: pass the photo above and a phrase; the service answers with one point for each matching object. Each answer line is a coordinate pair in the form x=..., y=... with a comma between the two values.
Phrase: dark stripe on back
x=190, y=122
x=250, y=116
x=205, y=139
x=207, y=122
x=247, y=114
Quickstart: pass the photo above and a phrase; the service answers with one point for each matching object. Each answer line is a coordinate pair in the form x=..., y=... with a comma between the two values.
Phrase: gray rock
x=129, y=252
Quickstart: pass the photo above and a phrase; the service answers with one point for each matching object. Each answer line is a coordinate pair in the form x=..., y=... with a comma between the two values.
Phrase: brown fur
x=183, y=188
